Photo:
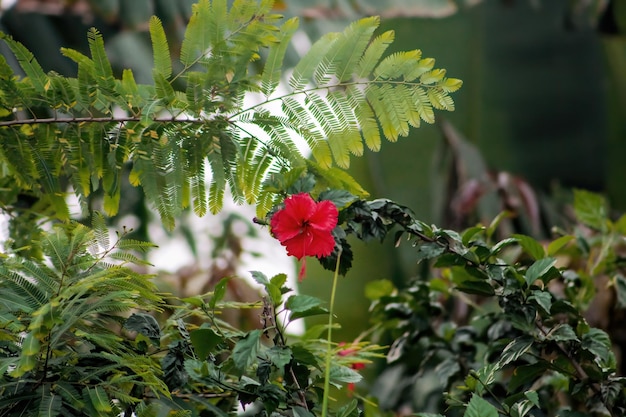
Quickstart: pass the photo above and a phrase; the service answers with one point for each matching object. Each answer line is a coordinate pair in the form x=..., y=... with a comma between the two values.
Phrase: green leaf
x=99, y=399
x=50, y=405
x=526, y=374
x=373, y=53
x=342, y=374
x=218, y=292
x=301, y=306
x=598, y=343
x=69, y=394
x=479, y=407
x=280, y=356
x=349, y=410
x=102, y=66
x=514, y=350
x=477, y=287
x=31, y=345
x=556, y=245
x=523, y=407
x=340, y=198
x=204, y=341
x=146, y=325
x=562, y=333
x=246, y=350
x=543, y=299
x=301, y=412
x=531, y=246
x=538, y=269
x=590, y=209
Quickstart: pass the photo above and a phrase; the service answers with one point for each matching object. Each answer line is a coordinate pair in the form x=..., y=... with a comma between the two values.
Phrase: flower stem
x=329, y=349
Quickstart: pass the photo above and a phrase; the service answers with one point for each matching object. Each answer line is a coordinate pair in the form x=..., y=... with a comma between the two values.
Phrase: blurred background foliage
x=542, y=109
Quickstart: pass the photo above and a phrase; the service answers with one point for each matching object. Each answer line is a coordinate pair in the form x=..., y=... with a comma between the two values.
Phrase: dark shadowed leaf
x=204, y=341
x=146, y=325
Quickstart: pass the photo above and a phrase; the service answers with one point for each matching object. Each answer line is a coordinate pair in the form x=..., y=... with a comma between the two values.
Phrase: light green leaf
x=531, y=246
x=556, y=245
x=590, y=209
x=304, y=306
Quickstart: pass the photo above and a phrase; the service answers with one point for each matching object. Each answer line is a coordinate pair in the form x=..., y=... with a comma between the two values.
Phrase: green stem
x=329, y=349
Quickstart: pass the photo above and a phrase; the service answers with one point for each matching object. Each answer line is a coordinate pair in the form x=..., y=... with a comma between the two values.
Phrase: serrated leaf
x=339, y=198
x=29, y=64
x=343, y=374
x=479, y=407
x=279, y=356
x=246, y=350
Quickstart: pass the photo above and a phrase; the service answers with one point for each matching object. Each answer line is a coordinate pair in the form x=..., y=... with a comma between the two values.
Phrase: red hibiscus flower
x=304, y=227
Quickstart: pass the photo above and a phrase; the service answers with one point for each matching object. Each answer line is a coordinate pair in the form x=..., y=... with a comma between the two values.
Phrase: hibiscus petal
x=325, y=216
x=300, y=206
x=323, y=244
x=285, y=226
x=300, y=245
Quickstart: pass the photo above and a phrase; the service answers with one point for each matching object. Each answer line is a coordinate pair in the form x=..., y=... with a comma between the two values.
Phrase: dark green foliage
x=491, y=321
x=61, y=324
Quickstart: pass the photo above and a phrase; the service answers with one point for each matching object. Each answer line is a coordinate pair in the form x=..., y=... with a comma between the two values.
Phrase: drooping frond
x=222, y=116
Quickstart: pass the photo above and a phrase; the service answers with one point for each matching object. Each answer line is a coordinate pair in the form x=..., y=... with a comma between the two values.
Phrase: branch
x=120, y=120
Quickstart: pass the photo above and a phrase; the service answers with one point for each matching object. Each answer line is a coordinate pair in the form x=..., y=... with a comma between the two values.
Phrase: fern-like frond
x=373, y=53
x=305, y=68
x=160, y=48
x=29, y=64
x=197, y=40
x=274, y=62
x=102, y=66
